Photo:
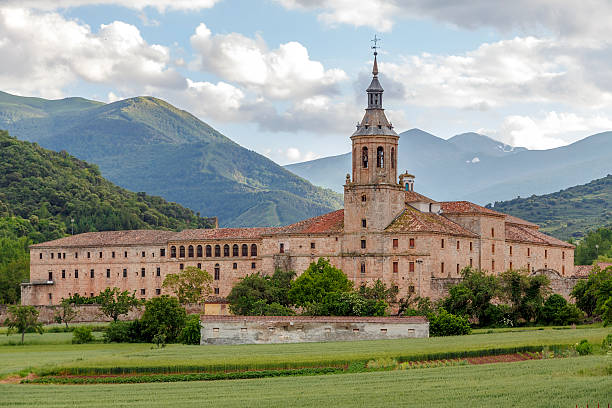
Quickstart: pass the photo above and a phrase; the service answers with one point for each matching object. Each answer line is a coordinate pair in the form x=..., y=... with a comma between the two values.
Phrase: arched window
x=181, y=251
x=392, y=157
x=208, y=251
x=253, y=250
x=364, y=157
x=245, y=250
x=235, y=250
x=173, y=252
x=190, y=251
x=225, y=250
x=199, y=251
x=380, y=157
x=217, y=251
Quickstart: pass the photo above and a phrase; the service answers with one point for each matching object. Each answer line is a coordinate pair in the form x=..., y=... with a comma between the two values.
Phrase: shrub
x=163, y=315
x=118, y=332
x=584, y=348
x=191, y=332
x=82, y=335
x=606, y=344
x=497, y=316
x=558, y=311
x=446, y=324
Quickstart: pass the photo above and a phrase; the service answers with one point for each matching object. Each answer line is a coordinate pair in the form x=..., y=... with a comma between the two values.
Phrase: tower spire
x=375, y=48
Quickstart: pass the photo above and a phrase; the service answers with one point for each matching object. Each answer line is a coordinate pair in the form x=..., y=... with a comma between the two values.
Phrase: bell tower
x=372, y=195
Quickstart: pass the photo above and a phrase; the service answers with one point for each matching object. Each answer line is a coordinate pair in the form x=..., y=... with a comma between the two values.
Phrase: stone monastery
x=386, y=231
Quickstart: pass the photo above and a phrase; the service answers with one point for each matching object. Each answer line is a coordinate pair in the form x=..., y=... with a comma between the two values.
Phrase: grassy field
x=45, y=356
x=545, y=383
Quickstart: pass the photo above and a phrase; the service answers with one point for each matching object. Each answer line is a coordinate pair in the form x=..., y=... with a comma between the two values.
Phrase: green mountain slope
x=146, y=144
x=41, y=191
x=569, y=213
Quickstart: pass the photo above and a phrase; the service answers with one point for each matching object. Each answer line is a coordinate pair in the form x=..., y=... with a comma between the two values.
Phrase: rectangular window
x=143, y=254
x=50, y=276
x=63, y=274
x=158, y=271
x=493, y=266
x=100, y=254
x=363, y=244
x=91, y=273
x=199, y=266
x=253, y=265
x=442, y=243
x=182, y=266
x=395, y=242
x=40, y=256
x=411, y=267
x=471, y=246
x=457, y=269
x=510, y=265
x=76, y=273
x=64, y=255
x=282, y=249
x=442, y=267
x=528, y=251
x=125, y=273
x=395, y=267
x=492, y=248
x=411, y=243
x=113, y=254
x=492, y=232
x=563, y=255
x=59, y=255
x=108, y=273
x=235, y=265
x=529, y=267
x=52, y=255
x=563, y=270
x=216, y=293
x=312, y=245
x=162, y=252
x=158, y=291
x=545, y=253
x=363, y=268
x=510, y=249
x=142, y=291
x=364, y=223
x=88, y=255
x=217, y=273
x=410, y=289
x=142, y=272
x=471, y=262
x=125, y=254
x=457, y=245
x=76, y=255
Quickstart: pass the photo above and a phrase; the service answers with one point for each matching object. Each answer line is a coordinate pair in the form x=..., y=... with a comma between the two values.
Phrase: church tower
x=372, y=195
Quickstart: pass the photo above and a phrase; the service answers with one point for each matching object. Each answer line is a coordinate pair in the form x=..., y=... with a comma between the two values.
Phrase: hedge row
x=182, y=377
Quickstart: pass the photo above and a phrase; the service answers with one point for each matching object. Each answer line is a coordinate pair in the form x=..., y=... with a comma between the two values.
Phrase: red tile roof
x=223, y=233
x=529, y=235
x=519, y=221
x=412, y=220
x=413, y=197
x=585, y=270
x=313, y=319
x=111, y=238
x=332, y=222
x=466, y=207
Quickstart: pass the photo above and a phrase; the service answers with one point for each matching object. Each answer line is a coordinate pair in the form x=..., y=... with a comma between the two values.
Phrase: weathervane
x=375, y=47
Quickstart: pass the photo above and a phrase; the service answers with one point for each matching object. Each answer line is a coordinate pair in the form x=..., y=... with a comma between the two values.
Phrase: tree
x=347, y=304
x=524, y=293
x=165, y=316
x=379, y=291
x=443, y=323
x=320, y=279
x=65, y=312
x=558, y=311
x=192, y=285
x=22, y=319
x=472, y=297
x=596, y=244
x=114, y=303
x=593, y=293
x=259, y=295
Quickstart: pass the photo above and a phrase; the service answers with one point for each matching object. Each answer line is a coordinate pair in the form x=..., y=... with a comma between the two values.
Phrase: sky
x=287, y=78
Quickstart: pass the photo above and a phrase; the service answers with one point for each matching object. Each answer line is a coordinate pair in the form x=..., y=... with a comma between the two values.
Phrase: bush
x=446, y=324
x=81, y=335
x=163, y=315
x=558, y=311
x=584, y=348
x=118, y=332
x=606, y=344
x=497, y=316
x=191, y=332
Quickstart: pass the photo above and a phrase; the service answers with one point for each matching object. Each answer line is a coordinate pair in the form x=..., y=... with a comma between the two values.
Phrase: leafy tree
x=114, y=303
x=558, y=311
x=14, y=267
x=524, y=293
x=191, y=333
x=22, y=319
x=592, y=294
x=82, y=335
x=472, y=297
x=65, y=312
x=320, y=279
x=347, y=304
x=443, y=323
x=192, y=285
x=379, y=291
x=596, y=244
x=258, y=294
x=165, y=316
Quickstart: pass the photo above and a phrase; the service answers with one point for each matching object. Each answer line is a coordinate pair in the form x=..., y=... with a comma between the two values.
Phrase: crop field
x=565, y=382
x=51, y=355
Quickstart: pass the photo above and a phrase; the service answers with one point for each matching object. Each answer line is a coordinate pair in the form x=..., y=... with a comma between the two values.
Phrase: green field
x=545, y=383
x=46, y=356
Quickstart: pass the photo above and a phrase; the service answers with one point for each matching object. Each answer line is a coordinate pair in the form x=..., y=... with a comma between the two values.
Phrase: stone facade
x=386, y=231
x=300, y=329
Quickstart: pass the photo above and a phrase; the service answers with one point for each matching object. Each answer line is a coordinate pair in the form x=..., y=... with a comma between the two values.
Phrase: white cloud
x=497, y=74
x=283, y=73
x=53, y=52
x=550, y=130
x=160, y=5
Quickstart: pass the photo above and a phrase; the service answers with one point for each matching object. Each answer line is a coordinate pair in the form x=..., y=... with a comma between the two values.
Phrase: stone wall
x=92, y=314
x=300, y=329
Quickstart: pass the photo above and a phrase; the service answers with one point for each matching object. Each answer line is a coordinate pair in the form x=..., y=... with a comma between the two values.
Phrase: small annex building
x=302, y=329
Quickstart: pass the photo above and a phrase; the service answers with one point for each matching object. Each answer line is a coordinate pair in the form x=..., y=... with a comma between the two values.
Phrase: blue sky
x=286, y=78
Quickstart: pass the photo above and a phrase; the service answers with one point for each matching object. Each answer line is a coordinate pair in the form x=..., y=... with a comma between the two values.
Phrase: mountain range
x=477, y=168
x=146, y=144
